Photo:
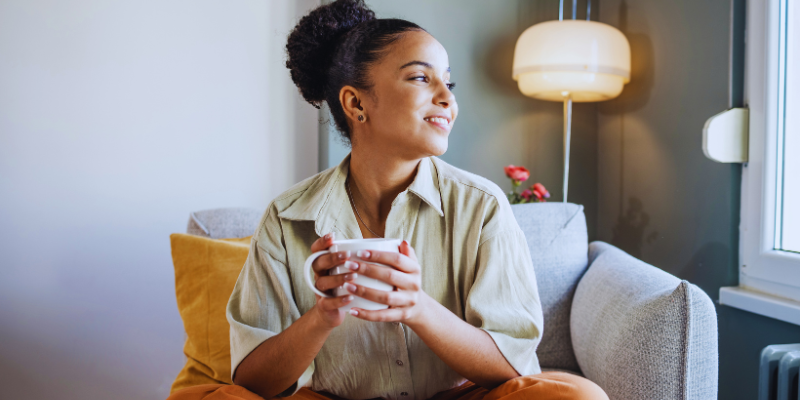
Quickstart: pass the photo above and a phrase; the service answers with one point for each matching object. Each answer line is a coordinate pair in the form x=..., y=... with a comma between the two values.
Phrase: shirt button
x=404, y=394
x=398, y=362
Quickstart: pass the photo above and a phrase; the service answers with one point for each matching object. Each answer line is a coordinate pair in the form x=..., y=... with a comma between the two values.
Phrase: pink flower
x=538, y=187
x=518, y=174
x=526, y=194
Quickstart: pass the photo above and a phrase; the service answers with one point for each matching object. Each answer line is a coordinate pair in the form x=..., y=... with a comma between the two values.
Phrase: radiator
x=778, y=372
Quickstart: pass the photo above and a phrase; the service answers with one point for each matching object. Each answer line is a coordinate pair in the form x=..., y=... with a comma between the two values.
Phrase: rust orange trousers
x=544, y=386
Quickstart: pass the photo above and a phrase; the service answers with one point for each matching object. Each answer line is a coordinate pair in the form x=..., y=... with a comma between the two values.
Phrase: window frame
x=769, y=279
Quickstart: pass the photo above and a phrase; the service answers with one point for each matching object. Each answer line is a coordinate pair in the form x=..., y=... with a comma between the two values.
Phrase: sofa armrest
x=641, y=333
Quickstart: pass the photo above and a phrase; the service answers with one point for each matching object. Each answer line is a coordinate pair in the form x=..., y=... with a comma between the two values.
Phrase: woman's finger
x=327, y=261
x=329, y=304
x=406, y=249
x=394, y=299
x=333, y=281
x=385, y=315
x=388, y=275
x=323, y=243
x=396, y=260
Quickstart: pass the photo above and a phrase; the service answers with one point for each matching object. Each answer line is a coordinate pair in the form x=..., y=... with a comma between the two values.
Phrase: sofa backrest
x=221, y=223
x=557, y=240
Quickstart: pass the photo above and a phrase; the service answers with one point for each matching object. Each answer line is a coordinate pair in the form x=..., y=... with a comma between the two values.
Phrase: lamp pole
x=568, y=96
x=567, y=135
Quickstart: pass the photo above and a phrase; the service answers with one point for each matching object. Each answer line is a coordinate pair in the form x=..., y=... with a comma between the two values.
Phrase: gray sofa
x=635, y=330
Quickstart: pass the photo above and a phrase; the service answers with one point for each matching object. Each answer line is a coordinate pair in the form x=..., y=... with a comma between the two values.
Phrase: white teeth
x=437, y=120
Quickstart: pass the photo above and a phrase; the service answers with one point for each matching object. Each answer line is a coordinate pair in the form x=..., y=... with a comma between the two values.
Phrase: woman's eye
x=423, y=78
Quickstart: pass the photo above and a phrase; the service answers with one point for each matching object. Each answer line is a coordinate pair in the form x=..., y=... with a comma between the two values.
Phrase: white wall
x=116, y=120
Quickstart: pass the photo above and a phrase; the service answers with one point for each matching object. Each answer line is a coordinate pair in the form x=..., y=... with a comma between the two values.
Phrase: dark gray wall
x=659, y=197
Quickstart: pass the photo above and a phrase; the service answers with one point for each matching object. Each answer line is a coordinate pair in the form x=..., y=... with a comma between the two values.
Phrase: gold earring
x=360, y=118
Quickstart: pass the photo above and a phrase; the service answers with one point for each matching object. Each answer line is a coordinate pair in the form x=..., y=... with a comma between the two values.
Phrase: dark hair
x=333, y=46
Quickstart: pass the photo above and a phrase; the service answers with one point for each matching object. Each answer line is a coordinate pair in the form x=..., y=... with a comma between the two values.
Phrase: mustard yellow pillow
x=205, y=273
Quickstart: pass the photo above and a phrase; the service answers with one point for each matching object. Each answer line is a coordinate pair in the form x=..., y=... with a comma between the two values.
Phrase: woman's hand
x=403, y=272
x=328, y=308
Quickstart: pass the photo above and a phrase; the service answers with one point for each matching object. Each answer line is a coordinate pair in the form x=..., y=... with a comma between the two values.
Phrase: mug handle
x=308, y=272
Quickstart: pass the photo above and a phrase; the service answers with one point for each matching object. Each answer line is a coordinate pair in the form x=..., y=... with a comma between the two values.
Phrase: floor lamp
x=571, y=61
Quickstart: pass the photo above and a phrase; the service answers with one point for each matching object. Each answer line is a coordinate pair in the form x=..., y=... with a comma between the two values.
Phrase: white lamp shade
x=589, y=60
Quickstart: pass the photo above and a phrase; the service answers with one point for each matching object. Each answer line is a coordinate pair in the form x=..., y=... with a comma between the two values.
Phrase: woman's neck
x=375, y=181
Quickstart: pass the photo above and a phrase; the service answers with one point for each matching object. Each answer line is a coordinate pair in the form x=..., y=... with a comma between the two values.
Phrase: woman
x=464, y=320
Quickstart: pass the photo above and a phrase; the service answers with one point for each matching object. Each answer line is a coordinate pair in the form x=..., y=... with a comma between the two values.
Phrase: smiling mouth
x=442, y=122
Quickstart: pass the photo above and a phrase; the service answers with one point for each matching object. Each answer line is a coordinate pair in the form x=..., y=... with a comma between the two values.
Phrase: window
x=769, y=274
x=787, y=235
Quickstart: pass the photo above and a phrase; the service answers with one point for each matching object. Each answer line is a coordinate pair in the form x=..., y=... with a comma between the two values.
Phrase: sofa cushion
x=641, y=333
x=205, y=273
x=558, y=243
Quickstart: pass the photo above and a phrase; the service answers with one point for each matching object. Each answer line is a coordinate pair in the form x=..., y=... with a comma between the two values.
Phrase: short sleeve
x=261, y=306
x=504, y=299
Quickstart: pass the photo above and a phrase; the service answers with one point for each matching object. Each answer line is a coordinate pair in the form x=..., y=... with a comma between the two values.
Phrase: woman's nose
x=444, y=97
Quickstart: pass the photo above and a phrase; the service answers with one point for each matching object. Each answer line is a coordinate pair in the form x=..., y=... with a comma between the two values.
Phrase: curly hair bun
x=312, y=44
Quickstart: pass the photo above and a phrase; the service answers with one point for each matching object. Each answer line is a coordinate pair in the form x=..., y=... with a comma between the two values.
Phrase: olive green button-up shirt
x=474, y=260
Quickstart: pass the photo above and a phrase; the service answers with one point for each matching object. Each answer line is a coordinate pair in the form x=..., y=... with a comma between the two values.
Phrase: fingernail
x=353, y=312
x=340, y=256
x=351, y=265
x=350, y=287
x=348, y=299
x=350, y=277
x=334, y=248
x=363, y=254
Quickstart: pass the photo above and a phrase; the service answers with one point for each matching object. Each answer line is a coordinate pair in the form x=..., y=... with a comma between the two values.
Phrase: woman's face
x=410, y=108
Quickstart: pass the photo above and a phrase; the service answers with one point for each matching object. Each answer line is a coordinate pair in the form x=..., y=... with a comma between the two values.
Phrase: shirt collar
x=325, y=199
x=426, y=185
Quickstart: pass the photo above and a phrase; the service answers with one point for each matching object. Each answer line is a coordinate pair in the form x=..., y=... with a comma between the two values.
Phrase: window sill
x=760, y=303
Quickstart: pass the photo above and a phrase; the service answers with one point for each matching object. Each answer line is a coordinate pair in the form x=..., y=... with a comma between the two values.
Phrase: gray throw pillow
x=558, y=243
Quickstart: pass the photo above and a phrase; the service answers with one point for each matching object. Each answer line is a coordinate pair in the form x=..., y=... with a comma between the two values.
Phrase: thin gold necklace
x=350, y=194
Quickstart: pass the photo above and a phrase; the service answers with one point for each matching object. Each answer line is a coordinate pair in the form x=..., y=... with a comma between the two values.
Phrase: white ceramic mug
x=354, y=245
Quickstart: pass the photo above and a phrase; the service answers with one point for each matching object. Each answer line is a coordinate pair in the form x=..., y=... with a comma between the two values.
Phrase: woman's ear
x=350, y=98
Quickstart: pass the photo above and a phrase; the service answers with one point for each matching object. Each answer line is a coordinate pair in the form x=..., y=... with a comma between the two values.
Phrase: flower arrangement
x=534, y=194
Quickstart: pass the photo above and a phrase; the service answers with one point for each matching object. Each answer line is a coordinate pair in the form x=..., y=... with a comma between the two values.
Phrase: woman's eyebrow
x=422, y=63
